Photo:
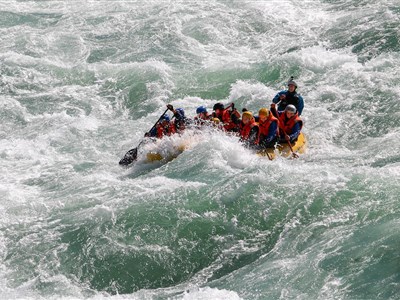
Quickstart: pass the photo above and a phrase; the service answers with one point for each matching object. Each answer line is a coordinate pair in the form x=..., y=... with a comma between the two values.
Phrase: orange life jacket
x=287, y=124
x=226, y=118
x=244, y=129
x=264, y=127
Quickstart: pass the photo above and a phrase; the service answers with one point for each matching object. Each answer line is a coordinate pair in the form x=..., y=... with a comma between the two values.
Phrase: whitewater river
x=82, y=81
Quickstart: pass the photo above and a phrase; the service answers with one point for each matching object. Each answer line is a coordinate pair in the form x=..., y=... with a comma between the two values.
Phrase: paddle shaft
x=290, y=144
x=155, y=124
x=131, y=155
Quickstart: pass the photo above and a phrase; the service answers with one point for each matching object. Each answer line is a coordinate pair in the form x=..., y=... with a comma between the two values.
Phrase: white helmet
x=291, y=108
x=291, y=81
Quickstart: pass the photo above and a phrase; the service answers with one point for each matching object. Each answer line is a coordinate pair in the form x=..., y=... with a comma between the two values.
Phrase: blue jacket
x=180, y=119
x=295, y=132
x=179, y=114
x=271, y=136
x=152, y=133
x=291, y=98
x=271, y=132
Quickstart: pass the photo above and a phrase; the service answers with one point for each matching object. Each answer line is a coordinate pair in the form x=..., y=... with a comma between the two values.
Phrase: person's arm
x=272, y=132
x=296, y=131
x=273, y=110
x=152, y=133
x=278, y=97
x=300, y=105
x=176, y=113
x=253, y=135
x=235, y=117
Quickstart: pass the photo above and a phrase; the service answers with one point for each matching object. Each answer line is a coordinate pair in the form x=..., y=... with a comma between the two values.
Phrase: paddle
x=131, y=155
x=295, y=155
x=269, y=157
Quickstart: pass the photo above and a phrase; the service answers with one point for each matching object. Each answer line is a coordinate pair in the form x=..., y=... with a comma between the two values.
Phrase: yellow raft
x=157, y=156
x=299, y=147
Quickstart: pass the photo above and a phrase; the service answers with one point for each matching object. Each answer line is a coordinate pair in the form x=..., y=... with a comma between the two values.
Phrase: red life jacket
x=287, y=124
x=202, y=119
x=244, y=129
x=264, y=127
x=203, y=116
x=165, y=130
x=226, y=118
x=177, y=127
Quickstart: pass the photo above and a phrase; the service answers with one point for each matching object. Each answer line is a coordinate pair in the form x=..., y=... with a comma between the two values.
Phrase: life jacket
x=203, y=116
x=264, y=127
x=165, y=130
x=227, y=119
x=224, y=117
x=203, y=119
x=286, y=125
x=178, y=126
x=234, y=122
x=244, y=129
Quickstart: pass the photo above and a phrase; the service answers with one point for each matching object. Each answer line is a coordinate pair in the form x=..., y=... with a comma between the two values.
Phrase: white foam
x=210, y=293
x=58, y=160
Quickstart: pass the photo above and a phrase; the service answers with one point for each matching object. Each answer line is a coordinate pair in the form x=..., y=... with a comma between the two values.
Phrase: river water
x=82, y=81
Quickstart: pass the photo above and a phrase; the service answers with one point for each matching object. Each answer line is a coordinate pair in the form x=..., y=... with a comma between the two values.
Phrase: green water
x=82, y=82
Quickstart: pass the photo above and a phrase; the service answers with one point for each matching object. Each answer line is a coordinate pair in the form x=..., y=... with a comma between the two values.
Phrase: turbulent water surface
x=82, y=81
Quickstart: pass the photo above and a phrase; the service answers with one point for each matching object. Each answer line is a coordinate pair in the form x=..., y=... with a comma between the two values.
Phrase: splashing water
x=82, y=82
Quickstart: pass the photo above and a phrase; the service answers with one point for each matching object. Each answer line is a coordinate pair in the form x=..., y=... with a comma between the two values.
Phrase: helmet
x=291, y=108
x=216, y=120
x=165, y=118
x=181, y=112
x=201, y=109
x=218, y=105
x=247, y=114
x=292, y=82
x=263, y=111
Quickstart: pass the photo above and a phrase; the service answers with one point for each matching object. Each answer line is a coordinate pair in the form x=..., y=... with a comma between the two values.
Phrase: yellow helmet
x=247, y=114
x=215, y=120
x=263, y=111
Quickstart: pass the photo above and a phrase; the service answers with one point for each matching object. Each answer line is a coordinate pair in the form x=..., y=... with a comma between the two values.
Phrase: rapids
x=82, y=81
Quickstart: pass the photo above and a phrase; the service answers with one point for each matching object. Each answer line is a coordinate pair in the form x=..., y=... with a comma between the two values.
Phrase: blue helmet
x=165, y=118
x=201, y=109
x=181, y=112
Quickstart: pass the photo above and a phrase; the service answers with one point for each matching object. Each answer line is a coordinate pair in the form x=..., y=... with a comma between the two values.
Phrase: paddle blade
x=129, y=157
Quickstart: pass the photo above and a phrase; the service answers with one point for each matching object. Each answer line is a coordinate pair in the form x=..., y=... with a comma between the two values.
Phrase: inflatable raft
x=160, y=153
x=299, y=147
x=168, y=148
x=156, y=155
